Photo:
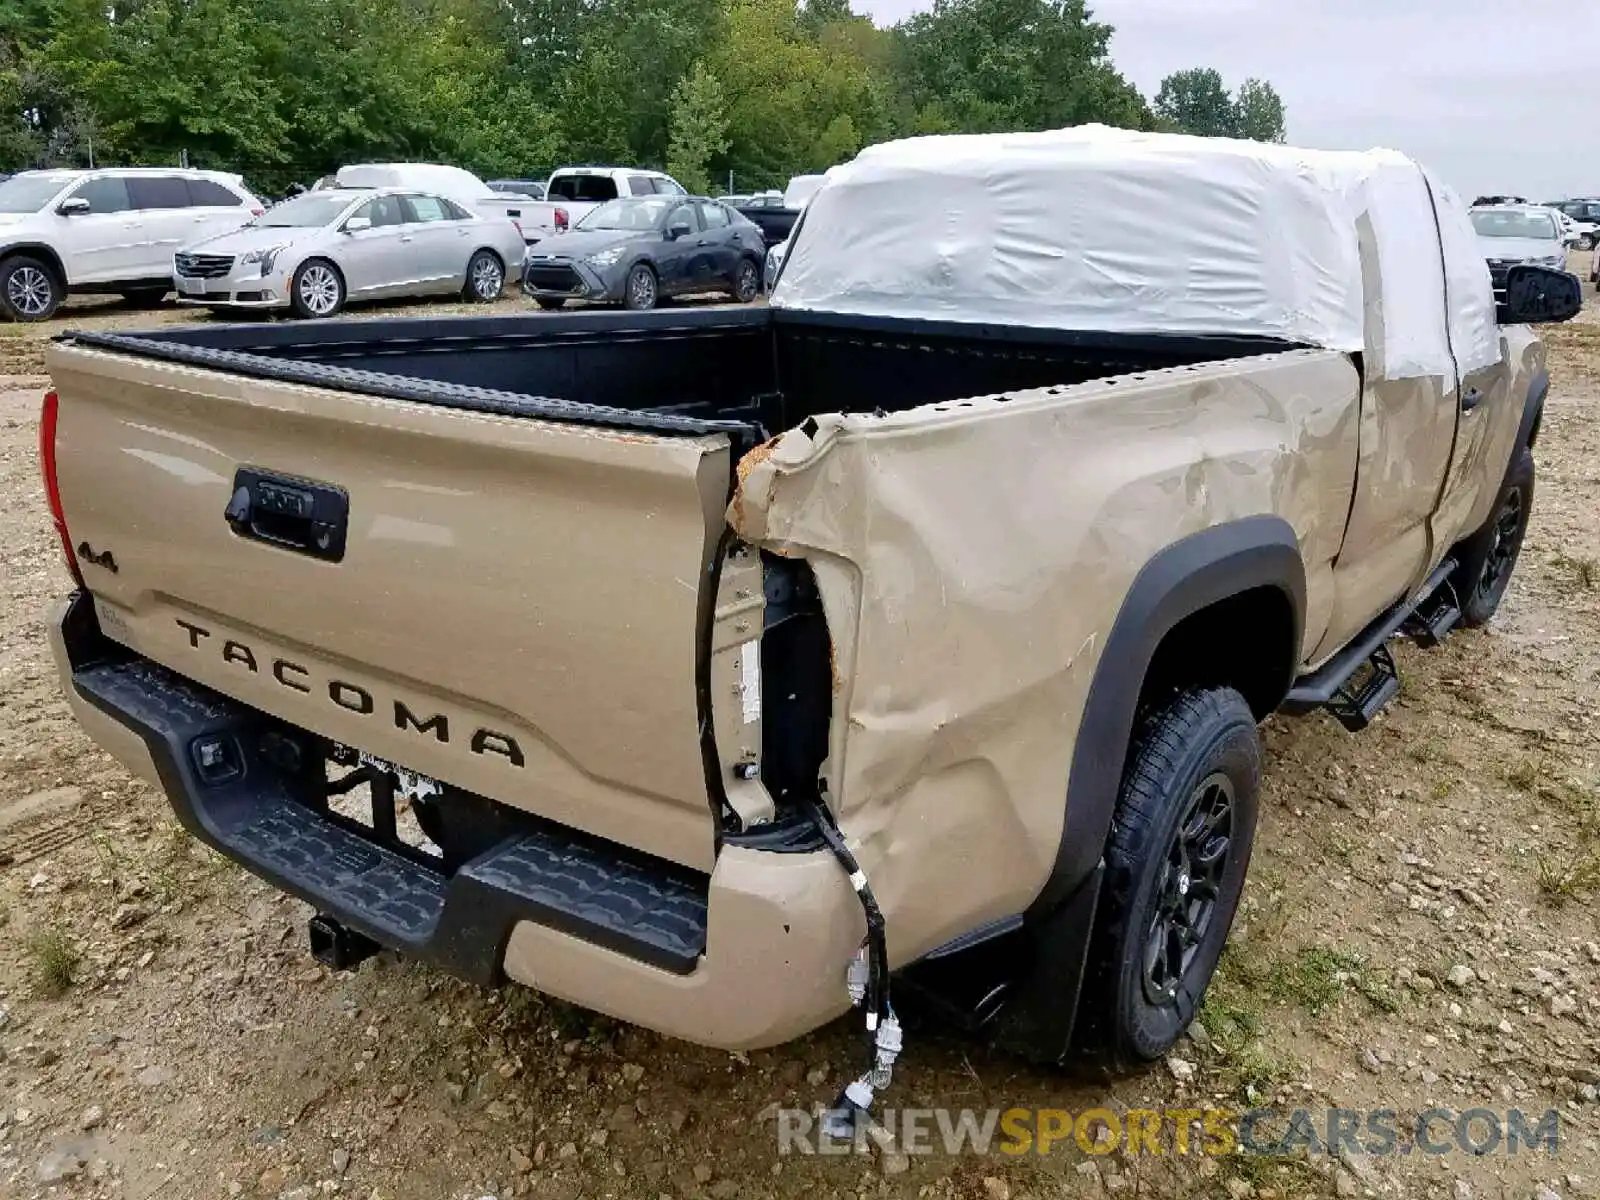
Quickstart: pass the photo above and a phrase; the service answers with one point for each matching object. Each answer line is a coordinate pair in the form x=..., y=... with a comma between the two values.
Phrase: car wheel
x=1181, y=837
x=746, y=281
x=486, y=278
x=317, y=289
x=1486, y=560
x=1586, y=242
x=29, y=289
x=640, y=293
x=549, y=303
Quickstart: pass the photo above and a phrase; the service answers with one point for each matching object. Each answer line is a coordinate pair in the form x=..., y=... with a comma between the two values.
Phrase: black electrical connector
x=852, y=1109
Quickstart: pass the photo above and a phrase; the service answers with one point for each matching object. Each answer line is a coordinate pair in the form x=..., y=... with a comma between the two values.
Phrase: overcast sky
x=1494, y=96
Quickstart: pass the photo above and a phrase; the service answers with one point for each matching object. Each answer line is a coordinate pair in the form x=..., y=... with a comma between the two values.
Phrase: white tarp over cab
x=1106, y=230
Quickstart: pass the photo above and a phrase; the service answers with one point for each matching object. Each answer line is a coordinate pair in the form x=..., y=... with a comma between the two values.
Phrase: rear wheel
x=486, y=277
x=29, y=289
x=641, y=292
x=317, y=289
x=1181, y=837
x=746, y=281
x=1487, y=559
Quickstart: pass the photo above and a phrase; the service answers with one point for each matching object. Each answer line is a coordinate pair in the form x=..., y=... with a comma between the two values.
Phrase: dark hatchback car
x=638, y=250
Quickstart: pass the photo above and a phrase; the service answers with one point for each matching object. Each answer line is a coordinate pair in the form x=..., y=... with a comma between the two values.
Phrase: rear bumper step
x=233, y=785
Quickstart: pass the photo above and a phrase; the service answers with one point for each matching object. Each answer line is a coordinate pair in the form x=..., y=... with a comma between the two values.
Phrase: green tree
x=1195, y=101
x=699, y=128
x=992, y=65
x=1258, y=112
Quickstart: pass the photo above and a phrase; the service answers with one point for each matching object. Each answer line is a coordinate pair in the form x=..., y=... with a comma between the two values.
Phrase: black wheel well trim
x=1187, y=577
x=41, y=251
x=1532, y=411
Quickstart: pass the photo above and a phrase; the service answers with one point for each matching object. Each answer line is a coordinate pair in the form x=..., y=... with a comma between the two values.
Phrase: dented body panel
x=973, y=557
x=570, y=614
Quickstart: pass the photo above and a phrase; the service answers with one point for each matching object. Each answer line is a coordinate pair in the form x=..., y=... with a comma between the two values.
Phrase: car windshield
x=641, y=214
x=304, y=212
x=30, y=193
x=1490, y=223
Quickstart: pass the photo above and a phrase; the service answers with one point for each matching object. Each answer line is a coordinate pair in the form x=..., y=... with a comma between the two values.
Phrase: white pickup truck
x=455, y=183
x=573, y=191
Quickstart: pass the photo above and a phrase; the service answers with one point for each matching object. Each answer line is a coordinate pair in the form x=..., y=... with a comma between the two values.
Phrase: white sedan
x=322, y=249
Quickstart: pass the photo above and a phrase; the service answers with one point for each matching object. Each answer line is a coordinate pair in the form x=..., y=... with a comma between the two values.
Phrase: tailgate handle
x=291, y=513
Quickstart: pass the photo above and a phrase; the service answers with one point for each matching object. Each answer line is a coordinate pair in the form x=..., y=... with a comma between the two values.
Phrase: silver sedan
x=320, y=250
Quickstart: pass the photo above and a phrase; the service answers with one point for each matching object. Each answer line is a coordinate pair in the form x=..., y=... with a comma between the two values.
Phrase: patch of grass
x=1442, y=788
x=1429, y=748
x=1341, y=846
x=1525, y=775
x=1577, y=573
x=1568, y=877
x=1317, y=977
x=1273, y=1173
x=55, y=961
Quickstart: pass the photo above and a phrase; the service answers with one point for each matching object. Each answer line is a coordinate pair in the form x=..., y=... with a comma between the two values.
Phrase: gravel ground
x=1419, y=931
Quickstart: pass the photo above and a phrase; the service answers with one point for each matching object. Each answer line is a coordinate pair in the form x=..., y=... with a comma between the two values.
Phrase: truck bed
x=749, y=373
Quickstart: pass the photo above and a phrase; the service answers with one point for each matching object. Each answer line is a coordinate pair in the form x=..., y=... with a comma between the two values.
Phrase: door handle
x=1471, y=398
x=294, y=514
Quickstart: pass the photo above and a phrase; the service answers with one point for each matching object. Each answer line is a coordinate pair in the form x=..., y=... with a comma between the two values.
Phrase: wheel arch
x=1191, y=598
x=1177, y=626
x=41, y=251
x=1532, y=412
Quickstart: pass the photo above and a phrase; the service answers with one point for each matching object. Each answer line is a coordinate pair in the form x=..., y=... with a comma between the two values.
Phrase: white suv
x=106, y=231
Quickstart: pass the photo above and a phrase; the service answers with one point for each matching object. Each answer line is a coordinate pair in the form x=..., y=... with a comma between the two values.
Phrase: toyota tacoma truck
x=722, y=669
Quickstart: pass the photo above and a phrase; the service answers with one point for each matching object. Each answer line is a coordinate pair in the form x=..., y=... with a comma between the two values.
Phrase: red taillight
x=52, y=489
x=561, y=218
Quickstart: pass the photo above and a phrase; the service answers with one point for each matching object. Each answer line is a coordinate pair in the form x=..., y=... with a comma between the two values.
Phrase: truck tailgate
x=517, y=608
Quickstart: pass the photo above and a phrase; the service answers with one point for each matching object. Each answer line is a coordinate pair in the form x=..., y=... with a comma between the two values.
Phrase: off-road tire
x=1199, y=746
x=1487, y=559
x=549, y=303
x=635, y=295
x=302, y=305
x=30, y=290
x=746, y=280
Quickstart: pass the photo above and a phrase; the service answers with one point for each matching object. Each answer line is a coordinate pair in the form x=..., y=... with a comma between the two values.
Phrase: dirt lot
x=1420, y=931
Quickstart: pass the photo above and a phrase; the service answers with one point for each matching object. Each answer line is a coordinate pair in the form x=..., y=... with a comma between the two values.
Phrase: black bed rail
x=743, y=434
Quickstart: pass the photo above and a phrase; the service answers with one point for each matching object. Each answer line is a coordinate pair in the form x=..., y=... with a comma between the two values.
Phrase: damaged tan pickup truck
x=717, y=668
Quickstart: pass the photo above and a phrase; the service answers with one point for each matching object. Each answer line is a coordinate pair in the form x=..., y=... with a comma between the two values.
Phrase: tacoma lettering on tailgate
x=352, y=697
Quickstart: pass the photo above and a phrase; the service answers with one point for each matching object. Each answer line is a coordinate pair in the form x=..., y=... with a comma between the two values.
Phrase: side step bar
x=1357, y=683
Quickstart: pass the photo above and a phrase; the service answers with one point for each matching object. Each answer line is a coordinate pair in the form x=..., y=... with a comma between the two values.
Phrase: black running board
x=1358, y=682
x=223, y=769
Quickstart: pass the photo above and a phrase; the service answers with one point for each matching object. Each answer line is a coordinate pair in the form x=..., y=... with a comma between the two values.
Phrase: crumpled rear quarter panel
x=972, y=557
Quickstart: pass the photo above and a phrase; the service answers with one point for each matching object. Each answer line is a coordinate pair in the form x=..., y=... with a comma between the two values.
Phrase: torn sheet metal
x=972, y=557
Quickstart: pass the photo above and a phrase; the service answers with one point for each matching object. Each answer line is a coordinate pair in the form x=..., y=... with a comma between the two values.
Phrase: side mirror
x=357, y=224
x=74, y=206
x=680, y=230
x=1539, y=296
